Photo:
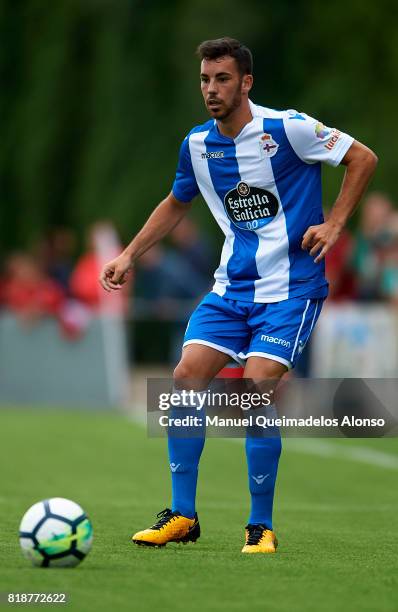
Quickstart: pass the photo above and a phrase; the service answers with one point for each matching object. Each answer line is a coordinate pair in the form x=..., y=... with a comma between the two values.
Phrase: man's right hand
x=113, y=274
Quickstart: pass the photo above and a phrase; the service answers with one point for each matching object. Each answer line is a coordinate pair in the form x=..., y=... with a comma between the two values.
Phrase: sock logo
x=260, y=478
x=300, y=347
x=174, y=467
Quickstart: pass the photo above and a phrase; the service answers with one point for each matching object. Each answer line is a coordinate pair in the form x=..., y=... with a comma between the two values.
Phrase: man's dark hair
x=213, y=49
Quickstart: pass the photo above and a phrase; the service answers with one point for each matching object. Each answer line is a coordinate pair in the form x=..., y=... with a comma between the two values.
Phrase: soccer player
x=259, y=171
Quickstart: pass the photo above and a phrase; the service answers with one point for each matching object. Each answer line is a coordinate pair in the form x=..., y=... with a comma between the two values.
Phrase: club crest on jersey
x=250, y=208
x=268, y=146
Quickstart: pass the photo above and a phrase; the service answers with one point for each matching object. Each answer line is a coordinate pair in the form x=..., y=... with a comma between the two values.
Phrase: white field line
x=326, y=448
x=321, y=448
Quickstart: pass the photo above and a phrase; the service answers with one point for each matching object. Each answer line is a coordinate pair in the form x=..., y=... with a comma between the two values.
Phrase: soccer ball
x=55, y=533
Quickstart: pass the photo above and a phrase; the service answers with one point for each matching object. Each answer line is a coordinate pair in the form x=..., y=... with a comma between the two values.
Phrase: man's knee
x=260, y=368
x=190, y=374
x=199, y=365
x=183, y=371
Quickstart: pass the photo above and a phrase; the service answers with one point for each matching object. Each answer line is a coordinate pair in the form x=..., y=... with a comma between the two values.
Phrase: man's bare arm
x=361, y=163
x=163, y=219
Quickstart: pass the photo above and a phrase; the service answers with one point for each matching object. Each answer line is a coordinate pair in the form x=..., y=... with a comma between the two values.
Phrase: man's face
x=222, y=86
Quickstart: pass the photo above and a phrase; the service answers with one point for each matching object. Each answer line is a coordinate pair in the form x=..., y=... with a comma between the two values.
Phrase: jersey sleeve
x=313, y=141
x=185, y=187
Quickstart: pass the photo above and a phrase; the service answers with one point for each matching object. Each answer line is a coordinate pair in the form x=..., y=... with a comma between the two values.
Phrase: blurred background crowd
x=57, y=279
x=363, y=265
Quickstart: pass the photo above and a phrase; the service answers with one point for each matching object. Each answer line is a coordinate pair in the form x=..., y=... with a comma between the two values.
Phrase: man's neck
x=236, y=121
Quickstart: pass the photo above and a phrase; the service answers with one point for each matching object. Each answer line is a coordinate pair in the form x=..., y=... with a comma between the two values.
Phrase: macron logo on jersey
x=212, y=155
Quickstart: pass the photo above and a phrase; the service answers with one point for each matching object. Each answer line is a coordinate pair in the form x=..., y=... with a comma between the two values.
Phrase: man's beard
x=227, y=111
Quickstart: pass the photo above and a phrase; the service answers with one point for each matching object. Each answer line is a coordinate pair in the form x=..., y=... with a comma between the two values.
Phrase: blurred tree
x=96, y=96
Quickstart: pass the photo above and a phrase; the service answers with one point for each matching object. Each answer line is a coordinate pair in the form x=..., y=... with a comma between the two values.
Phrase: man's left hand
x=318, y=239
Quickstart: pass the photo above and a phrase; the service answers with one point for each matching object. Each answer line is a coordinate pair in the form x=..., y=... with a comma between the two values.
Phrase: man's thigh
x=220, y=324
x=281, y=330
x=198, y=366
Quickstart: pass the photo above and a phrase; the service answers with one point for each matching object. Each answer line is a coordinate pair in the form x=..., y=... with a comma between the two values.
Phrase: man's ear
x=247, y=83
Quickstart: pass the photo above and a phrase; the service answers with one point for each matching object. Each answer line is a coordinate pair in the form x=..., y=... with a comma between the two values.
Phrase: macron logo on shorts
x=274, y=340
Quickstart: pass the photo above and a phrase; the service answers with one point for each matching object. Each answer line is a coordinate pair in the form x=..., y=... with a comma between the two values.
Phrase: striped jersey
x=264, y=190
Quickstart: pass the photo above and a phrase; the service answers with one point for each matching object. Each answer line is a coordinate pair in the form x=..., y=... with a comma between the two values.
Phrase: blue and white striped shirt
x=264, y=190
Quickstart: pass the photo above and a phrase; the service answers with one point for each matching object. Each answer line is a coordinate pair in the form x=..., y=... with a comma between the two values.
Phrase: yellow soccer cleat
x=171, y=527
x=259, y=539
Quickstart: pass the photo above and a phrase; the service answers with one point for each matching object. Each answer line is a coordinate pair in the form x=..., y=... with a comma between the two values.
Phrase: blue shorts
x=278, y=330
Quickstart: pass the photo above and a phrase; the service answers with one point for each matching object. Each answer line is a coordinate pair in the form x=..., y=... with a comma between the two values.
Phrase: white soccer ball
x=55, y=533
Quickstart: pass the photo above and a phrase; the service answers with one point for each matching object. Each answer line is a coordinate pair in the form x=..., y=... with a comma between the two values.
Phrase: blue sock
x=184, y=456
x=263, y=449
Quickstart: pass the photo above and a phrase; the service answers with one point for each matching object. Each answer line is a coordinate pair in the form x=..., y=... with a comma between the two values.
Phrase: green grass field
x=336, y=518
